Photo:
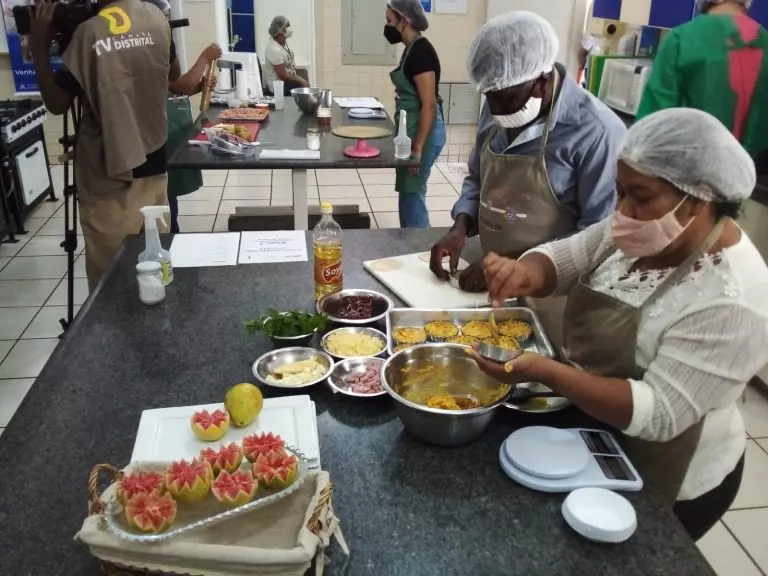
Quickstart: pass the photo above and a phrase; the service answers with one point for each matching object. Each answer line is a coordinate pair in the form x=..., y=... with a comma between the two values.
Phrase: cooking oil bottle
x=328, y=254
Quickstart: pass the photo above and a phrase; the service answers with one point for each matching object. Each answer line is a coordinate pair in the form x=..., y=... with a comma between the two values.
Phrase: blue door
x=242, y=27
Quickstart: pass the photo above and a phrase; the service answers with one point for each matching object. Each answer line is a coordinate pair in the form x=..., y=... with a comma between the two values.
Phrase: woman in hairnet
x=415, y=79
x=279, y=62
x=667, y=318
x=716, y=63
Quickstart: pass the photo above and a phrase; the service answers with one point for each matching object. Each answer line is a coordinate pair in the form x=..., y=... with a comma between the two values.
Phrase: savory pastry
x=516, y=329
x=476, y=329
x=409, y=335
x=439, y=331
x=463, y=340
x=504, y=342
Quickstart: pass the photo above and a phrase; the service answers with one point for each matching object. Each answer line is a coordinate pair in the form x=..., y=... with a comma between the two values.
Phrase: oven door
x=32, y=171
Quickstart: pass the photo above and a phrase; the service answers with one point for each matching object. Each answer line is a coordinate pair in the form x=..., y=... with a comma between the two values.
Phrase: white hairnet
x=692, y=151
x=511, y=49
x=704, y=5
x=411, y=10
x=278, y=25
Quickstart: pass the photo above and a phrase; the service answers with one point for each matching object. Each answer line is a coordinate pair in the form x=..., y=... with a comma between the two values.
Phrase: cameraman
x=118, y=63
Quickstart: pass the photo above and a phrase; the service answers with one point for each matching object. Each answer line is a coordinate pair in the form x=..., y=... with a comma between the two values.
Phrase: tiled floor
x=33, y=299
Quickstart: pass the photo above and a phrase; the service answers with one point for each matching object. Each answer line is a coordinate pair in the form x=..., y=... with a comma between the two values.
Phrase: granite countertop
x=406, y=508
x=287, y=129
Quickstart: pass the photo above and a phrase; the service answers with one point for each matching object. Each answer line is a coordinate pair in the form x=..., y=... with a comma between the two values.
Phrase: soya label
x=328, y=272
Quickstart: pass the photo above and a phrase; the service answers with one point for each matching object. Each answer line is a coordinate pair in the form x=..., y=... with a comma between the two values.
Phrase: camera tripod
x=70, y=206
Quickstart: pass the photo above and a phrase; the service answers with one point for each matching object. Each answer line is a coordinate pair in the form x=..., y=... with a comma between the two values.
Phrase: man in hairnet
x=279, y=61
x=544, y=162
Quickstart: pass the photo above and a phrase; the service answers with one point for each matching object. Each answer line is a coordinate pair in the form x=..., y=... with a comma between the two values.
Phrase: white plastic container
x=149, y=276
x=313, y=139
x=277, y=89
x=600, y=515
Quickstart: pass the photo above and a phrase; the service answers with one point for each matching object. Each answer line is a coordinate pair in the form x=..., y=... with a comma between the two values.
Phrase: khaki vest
x=121, y=59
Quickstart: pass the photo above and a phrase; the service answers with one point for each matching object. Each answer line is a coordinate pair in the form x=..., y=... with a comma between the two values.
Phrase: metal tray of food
x=418, y=317
x=194, y=516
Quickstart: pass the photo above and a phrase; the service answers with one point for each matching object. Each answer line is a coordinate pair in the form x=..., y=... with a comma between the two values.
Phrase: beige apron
x=601, y=338
x=519, y=211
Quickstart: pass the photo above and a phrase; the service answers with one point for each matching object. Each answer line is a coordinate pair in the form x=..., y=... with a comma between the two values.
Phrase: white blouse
x=699, y=343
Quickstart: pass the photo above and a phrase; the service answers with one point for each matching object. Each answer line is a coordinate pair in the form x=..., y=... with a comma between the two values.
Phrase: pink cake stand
x=362, y=150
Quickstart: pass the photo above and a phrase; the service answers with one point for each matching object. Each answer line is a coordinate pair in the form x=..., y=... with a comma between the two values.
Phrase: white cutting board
x=164, y=434
x=410, y=278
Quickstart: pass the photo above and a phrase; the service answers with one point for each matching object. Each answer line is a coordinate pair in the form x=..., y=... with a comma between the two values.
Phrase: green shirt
x=715, y=63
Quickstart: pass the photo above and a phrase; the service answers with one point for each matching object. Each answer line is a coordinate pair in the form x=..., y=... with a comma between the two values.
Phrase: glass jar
x=149, y=276
x=313, y=139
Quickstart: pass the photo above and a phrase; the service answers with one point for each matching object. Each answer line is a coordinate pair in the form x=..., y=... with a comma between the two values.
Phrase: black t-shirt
x=157, y=161
x=422, y=58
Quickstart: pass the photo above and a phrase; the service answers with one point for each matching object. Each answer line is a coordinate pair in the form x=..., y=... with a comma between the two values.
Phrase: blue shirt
x=581, y=155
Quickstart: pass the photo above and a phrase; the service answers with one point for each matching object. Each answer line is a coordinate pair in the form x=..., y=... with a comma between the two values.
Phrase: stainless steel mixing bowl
x=433, y=425
x=307, y=99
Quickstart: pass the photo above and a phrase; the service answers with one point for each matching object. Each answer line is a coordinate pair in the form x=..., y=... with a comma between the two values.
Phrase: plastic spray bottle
x=402, y=142
x=154, y=252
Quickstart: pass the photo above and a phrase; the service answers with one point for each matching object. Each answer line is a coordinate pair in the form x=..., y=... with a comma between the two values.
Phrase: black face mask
x=392, y=34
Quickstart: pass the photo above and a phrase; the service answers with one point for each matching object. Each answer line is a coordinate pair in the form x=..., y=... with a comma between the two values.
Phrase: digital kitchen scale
x=562, y=460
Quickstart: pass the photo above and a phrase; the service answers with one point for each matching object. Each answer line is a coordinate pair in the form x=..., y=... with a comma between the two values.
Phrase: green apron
x=407, y=100
x=180, y=182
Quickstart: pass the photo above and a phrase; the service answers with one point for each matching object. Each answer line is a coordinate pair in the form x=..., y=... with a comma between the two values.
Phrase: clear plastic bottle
x=328, y=254
x=402, y=142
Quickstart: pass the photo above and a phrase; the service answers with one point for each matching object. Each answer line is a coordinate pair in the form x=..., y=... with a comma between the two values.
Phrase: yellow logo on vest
x=117, y=19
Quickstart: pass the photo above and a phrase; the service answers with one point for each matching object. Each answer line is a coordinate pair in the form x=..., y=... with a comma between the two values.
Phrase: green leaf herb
x=285, y=325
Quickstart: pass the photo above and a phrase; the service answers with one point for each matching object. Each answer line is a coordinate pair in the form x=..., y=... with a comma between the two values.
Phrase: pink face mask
x=641, y=239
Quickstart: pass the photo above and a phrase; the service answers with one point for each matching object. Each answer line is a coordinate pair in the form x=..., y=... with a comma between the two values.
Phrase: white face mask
x=288, y=32
x=522, y=117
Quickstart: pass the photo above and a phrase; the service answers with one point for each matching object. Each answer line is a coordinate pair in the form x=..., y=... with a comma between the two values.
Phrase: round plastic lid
x=148, y=267
x=600, y=515
x=546, y=452
x=326, y=208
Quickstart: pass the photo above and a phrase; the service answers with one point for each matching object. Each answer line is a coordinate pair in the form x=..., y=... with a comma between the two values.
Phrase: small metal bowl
x=264, y=366
x=330, y=305
x=292, y=341
x=499, y=354
x=355, y=330
x=353, y=367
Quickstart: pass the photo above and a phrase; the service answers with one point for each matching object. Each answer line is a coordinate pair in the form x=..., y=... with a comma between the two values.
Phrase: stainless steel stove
x=20, y=117
x=24, y=172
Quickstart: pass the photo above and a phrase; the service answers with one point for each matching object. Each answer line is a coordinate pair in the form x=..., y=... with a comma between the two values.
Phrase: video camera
x=67, y=16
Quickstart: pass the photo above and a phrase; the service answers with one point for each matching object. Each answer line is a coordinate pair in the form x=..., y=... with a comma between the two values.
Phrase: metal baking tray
x=400, y=317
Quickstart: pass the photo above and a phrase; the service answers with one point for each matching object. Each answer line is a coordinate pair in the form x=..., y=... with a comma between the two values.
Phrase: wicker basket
x=175, y=557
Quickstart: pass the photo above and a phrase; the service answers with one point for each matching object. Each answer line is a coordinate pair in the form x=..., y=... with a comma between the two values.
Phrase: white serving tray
x=165, y=435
